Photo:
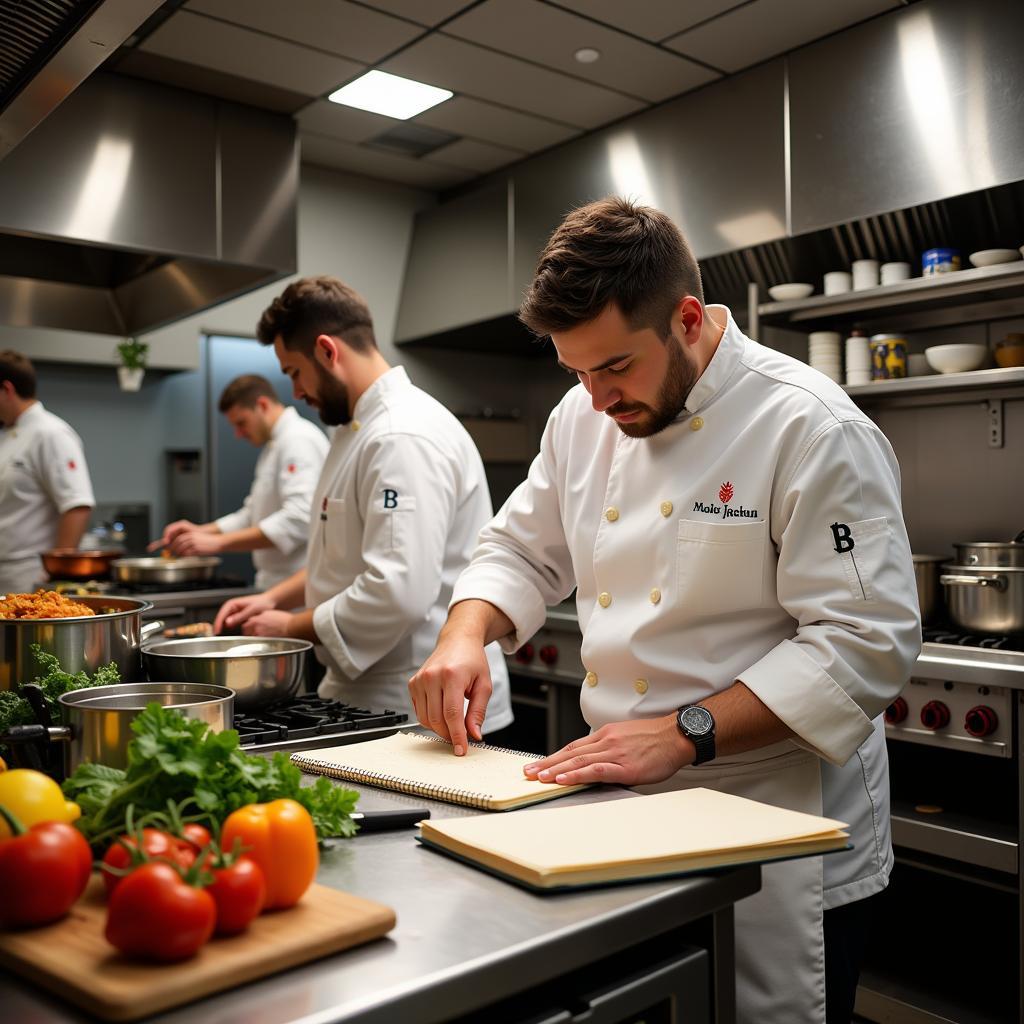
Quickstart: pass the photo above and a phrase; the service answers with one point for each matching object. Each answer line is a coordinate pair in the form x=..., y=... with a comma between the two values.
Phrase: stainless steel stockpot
x=1008, y=553
x=86, y=642
x=260, y=670
x=929, y=593
x=988, y=599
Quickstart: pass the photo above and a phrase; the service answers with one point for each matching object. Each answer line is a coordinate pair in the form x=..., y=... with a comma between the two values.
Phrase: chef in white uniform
x=396, y=514
x=273, y=522
x=45, y=493
x=732, y=524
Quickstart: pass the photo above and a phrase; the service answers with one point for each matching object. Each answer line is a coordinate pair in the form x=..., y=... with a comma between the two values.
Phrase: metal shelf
x=975, y=379
x=956, y=837
x=885, y=1001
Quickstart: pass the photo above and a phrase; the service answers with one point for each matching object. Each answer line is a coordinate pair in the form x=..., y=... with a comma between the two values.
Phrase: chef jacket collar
x=290, y=413
x=29, y=416
x=374, y=395
x=723, y=363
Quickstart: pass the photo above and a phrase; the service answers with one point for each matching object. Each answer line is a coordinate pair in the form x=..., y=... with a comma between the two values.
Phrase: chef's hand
x=171, y=530
x=196, y=542
x=236, y=611
x=627, y=753
x=457, y=670
x=268, y=623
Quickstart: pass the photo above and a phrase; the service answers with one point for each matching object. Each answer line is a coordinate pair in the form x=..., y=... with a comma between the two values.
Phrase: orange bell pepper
x=281, y=838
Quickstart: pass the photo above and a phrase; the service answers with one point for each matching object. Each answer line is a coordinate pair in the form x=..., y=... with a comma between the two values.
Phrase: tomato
x=155, y=914
x=196, y=835
x=43, y=870
x=239, y=891
x=156, y=845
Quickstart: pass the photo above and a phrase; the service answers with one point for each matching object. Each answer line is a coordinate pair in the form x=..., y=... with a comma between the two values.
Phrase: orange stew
x=43, y=604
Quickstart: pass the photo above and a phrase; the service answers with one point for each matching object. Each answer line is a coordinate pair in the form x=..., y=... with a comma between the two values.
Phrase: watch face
x=697, y=721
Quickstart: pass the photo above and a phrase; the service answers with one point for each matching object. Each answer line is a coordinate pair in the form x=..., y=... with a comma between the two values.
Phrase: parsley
x=174, y=758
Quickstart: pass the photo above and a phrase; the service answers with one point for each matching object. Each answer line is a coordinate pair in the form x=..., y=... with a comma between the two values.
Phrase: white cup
x=865, y=274
x=837, y=282
x=893, y=272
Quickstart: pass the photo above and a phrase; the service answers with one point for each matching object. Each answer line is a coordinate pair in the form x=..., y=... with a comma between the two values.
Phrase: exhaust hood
x=134, y=204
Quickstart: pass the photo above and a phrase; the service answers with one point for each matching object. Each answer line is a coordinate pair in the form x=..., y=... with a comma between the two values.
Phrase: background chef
x=745, y=589
x=45, y=493
x=396, y=513
x=273, y=522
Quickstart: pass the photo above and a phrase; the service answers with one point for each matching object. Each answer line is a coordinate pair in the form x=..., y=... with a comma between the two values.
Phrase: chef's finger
x=155, y=545
x=600, y=771
x=479, y=695
x=559, y=757
x=434, y=692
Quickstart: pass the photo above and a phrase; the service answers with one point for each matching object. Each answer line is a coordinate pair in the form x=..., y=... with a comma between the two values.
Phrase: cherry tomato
x=156, y=845
x=239, y=891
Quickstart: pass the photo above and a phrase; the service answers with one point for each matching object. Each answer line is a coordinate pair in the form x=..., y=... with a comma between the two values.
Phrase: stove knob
x=896, y=711
x=548, y=654
x=981, y=721
x=525, y=654
x=935, y=715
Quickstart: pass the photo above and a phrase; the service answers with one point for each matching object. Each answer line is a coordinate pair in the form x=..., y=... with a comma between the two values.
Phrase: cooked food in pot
x=43, y=604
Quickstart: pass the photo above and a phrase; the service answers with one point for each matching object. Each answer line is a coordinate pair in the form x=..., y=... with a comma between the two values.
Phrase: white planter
x=130, y=377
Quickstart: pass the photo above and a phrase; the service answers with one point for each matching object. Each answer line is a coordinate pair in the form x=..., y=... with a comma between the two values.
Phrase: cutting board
x=73, y=959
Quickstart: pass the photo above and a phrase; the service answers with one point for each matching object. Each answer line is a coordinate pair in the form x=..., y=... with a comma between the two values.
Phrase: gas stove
x=309, y=721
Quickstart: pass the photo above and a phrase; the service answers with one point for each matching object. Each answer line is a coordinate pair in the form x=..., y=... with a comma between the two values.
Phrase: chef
x=273, y=522
x=45, y=492
x=401, y=499
x=745, y=589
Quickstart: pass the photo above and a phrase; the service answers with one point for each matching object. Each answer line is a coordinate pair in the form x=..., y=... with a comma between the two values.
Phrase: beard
x=332, y=400
x=680, y=376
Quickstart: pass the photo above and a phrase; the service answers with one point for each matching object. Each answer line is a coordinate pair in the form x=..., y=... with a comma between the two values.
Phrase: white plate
x=790, y=292
x=990, y=257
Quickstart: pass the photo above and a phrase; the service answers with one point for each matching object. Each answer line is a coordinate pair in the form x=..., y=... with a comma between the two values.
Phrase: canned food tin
x=939, y=261
x=888, y=357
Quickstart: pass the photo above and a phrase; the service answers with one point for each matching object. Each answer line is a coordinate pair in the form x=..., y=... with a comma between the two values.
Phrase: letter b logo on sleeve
x=390, y=498
x=842, y=537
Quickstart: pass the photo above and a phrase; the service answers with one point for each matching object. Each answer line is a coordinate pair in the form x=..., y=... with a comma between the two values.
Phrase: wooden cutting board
x=73, y=959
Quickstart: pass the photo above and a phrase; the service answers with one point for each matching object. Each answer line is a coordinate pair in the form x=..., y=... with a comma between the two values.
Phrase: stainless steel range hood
x=133, y=205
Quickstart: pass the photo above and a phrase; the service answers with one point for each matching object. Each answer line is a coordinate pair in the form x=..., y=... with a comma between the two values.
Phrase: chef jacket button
x=655, y=595
x=356, y=424
x=590, y=679
x=666, y=508
x=604, y=599
x=611, y=514
x=696, y=423
x=640, y=685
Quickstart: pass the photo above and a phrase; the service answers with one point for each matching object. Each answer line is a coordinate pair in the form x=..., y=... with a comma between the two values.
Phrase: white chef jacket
x=42, y=475
x=717, y=550
x=396, y=515
x=281, y=497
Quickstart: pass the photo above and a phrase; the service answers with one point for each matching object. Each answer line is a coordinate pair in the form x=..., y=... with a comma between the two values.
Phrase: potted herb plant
x=132, y=354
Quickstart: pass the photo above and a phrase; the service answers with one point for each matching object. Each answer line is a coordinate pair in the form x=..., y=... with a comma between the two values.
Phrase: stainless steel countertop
x=463, y=940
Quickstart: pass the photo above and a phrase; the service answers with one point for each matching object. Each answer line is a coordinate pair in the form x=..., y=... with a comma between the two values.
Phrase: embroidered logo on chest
x=726, y=511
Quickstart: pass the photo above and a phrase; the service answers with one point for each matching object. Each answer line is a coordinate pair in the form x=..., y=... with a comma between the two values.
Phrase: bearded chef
x=396, y=513
x=45, y=492
x=745, y=589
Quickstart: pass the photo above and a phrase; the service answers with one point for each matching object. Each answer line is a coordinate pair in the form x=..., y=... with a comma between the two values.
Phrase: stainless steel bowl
x=260, y=670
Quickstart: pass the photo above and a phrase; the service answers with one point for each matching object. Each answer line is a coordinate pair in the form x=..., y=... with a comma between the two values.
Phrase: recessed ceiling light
x=396, y=97
x=587, y=55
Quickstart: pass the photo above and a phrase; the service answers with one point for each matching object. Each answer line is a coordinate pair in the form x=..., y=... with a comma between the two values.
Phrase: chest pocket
x=333, y=524
x=719, y=566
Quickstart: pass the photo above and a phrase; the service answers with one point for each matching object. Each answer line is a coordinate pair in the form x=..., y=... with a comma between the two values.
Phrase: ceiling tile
x=475, y=156
x=544, y=34
x=766, y=28
x=337, y=26
x=423, y=12
x=347, y=156
x=466, y=68
x=480, y=120
x=341, y=122
x=196, y=39
x=652, y=19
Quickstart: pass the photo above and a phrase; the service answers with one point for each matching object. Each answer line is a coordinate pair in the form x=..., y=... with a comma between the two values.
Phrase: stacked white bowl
x=824, y=351
x=858, y=360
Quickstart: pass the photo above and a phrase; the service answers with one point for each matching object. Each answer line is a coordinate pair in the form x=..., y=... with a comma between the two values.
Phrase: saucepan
x=187, y=569
x=77, y=564
x=929, y=594
x=986, y=598
x=1008, y=553
x=260, y=670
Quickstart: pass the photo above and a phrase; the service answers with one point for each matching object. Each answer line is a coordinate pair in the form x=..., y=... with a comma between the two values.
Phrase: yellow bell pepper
x=33, y=797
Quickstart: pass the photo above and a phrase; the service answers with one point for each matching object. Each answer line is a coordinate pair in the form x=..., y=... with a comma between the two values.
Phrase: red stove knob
x=981, y=721
x=548, y=654
x=896, y=711
x=935, y=715
x=525, y=654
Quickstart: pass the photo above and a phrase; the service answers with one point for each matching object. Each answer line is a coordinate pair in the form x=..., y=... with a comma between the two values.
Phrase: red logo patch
x=291, y=467
x=324, y=505
x=71, y=463
x=725, y=493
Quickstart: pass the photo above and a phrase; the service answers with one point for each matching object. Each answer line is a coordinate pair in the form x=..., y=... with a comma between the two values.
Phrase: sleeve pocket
x=863, y=561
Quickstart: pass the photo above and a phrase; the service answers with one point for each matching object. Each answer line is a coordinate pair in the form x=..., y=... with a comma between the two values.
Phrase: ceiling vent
x=412, y=140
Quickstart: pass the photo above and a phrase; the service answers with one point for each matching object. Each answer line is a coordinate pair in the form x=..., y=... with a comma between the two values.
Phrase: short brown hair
x=611, y=251
x=245, y=390
x=317, y=305
x=18, y=369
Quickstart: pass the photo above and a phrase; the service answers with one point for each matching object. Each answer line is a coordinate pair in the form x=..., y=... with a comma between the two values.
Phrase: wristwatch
x=697, y=724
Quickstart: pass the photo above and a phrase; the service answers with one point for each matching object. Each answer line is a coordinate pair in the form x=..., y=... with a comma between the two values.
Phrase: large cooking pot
x=81, y=642
x=260, y=670
x=989, y=599
x=97, y=721
x=1009, y=553
x=164, y=570
x=929, y=593
x=76, y=564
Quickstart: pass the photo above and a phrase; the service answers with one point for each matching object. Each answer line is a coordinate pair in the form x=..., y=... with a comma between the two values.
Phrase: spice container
x=888, y=357
x=939, y=261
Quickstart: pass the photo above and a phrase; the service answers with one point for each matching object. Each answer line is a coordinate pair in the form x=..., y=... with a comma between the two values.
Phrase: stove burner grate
x=956, y=638
x=307, y=716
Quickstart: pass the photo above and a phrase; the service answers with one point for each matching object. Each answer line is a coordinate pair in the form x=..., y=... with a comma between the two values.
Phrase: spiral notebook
x=488, y=778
